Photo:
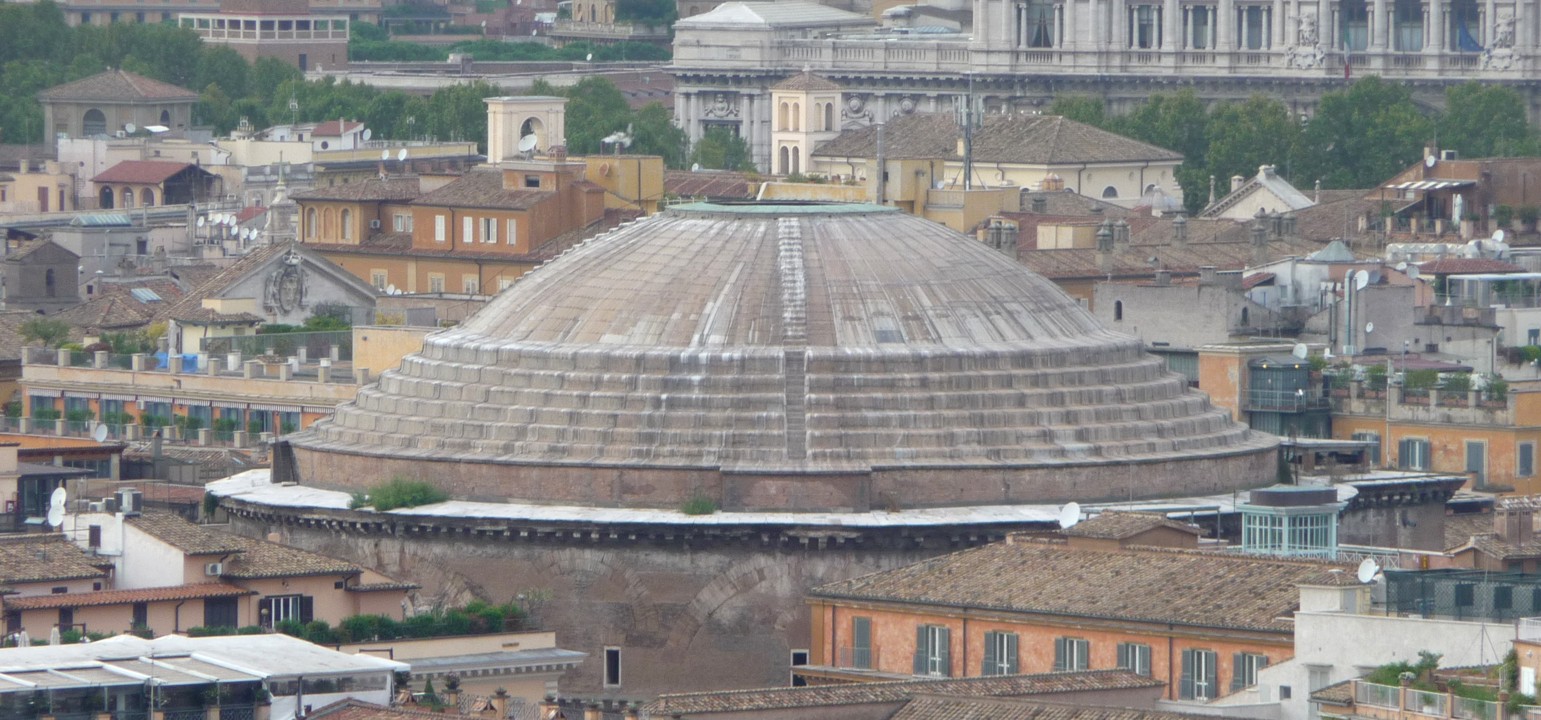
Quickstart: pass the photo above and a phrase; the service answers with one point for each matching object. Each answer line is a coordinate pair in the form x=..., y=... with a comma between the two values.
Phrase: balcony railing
x=1287, y=400
x=1421, y=702
x=856, y=658
x=1389, y=696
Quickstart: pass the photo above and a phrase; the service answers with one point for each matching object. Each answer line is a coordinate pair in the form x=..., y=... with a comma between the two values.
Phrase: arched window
x=1118, y=310
x=147, y=197
x=797, y=117
x=310, y=223
x=50, y=287
x=829, y=116
x=1109, y=192
x=329, y=224
x=786, y=161
x=94, y=123
x=166, y=118
x=782, y=122
x=128, y=197
x=1245, y=320
x=797, y=156
x=347, y=224
x=105, y=201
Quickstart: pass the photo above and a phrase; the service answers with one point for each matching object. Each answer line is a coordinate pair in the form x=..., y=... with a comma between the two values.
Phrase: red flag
x=1348, y=67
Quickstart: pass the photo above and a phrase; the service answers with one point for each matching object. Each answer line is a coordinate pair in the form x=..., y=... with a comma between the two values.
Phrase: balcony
x=609, y=31
x=1390, y=702
x=1471, y=407
x=1287, y=401
x=856, y=658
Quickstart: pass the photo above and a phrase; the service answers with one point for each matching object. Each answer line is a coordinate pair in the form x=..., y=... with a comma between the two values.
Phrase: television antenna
x=1069, y=515
x=368, y=133
x=1368, y=569
x=1498, y=236
x=390, y=289
x=201, y=220
x=1300, y=351
x=1429, y=161
x=695, y=167
x=99, y=433
x=56, y=503
x=1369, y=327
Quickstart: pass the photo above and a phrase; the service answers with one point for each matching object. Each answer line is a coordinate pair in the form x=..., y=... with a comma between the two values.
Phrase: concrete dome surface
x=798, y=357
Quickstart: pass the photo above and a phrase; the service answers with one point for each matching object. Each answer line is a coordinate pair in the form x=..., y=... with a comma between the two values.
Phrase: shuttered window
x=1000, y=654
x=1134, y=657
x=1199, y=675
x=1071, y=654
x=932, y=646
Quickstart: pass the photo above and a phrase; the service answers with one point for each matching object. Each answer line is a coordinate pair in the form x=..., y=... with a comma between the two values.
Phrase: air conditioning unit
x=96, y=507
x=374, y=224
x=214, y=569
x=131, y=501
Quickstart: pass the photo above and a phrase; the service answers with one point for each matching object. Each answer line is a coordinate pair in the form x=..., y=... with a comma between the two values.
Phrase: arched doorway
x=105, y=199
x=93, y=123
x=127, y=197
x=147, y=198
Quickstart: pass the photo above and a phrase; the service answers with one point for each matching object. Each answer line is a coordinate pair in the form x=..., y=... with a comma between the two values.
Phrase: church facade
x=1020, y=54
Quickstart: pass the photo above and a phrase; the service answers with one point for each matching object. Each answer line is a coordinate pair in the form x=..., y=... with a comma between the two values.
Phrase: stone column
x=1277, y=27
x=1070, y=38
x=1436, y=41
x=1379, y=26
x=62, y=357
x=174, y=364
x=136, y=362
x=1170, y=32
x=204, y=436
x=1225, y=27
x=1325, y=29
x=211, y=365
x=99, y=359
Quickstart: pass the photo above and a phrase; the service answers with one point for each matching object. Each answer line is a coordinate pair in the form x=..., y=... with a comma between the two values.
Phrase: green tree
x=458, y=112
x=1245, y=135
x=646, y=12
x=48, y=332
x=367, y=31
x=269, y=73
x=654, y=133
x=220, y=65
x=1363, y=135
x=1081, y=108
x=1486, y=121
x=595, y=108
x=722, y=149
x=214, y=109
x=1177, y=122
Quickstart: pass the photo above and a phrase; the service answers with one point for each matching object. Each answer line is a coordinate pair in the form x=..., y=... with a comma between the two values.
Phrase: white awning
x=1432, y=184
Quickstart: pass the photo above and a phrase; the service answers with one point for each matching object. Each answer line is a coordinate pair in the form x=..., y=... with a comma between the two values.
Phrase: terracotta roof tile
x=1071, y=203
x=351, y=709
x=1028, y=575
x=190, y=307
x=1460, y=528
x=710, y=184
x=118, y=85
x=1118, y=525
x=249, y=559
x=185, y=536
x=1338, y=693
x=335, y=128
x=1462, y=266
x=1010, y=138
x=146, y=172
x=46, y=557
x=397, y=189
x=483, y=188
x=806, y=81
x=950, y=708
x=123, y=597
x=894, y=691
x=28, y=248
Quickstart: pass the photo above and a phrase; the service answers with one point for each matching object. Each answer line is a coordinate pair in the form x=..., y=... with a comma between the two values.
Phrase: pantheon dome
x=793, y=357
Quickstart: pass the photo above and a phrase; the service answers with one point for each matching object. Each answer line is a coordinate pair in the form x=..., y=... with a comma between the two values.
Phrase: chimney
x=499, y=702
x=1207, y=275
x=1163, y=277
x=591, y=712
x=1236, y=182
x=1513, y=523
x=1317, y=196
x=155, y=446
x=1120, y=233
x=1040, y=204
x=633, y=712
x=1105, y=246
x=1180, y=230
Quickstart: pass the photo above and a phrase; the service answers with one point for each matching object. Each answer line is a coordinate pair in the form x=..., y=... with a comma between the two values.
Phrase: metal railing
x=185, y=714
x=237, y=712
x=856, y=658
x=317, y=344
x=1389, y=696
x=131, y=715
x=1287, y=400
x=1473, y=709
x=1424, y=702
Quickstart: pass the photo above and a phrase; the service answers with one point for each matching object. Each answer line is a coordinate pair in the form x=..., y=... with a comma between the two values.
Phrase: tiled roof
x=391, y=189
x=108, y=313
x=1462, y=266
x=46, y=557
x=185, y=536
x=351, y=709
x=1069, y=202
x=1461, y=527
x=335, y=128
x=1118, y=525
x=950, y=708
x=29, y=248
x=1008, y=138
x=1336, y=577
x=894, y=691
x=122, y=597
x=1338, y=693
x=212, y=462
x=165, y=492
x=118, y=86
x=806, y=81
x=708, y=184
x=1256, y=279
x=1029, y=575
x=190, y=308
x=143, y=172
x=382, y=587
x=483, y=188
x=191, y=276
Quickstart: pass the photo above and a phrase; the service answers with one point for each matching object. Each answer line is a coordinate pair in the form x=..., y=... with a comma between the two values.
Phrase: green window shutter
x=1211, y=672
x=1185, y=686
x=991, y=661
x=944, y=640
x=1238, y=670
x=1061, y=653
x=861, y=643
x=1123, y=657
x=1011, y=654
x=920, y=650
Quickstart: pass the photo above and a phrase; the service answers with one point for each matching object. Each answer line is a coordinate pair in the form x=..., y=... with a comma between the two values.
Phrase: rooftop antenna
x=402, y=155
x=1368, y=569
x=1069, y=515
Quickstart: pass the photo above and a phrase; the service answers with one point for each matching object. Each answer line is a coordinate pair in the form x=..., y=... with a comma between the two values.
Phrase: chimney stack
x=1120, y=233
x=499, y=702
x=1180, y=230
x=1514, y=524
x=1207, y=274
x=1236, y=182
x=1040, y=204
x=1163, y=277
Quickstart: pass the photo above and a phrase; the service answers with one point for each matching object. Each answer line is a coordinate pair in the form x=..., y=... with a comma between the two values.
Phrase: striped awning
x=1432, y=184
x=274, y=408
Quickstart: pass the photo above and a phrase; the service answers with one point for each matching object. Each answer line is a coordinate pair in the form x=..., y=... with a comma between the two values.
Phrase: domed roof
x=782, y=339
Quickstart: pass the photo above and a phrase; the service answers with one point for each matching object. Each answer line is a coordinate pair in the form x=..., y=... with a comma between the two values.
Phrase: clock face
x=289, y=289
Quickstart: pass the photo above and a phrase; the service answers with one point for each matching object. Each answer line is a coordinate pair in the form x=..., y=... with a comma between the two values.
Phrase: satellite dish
x=58, y=498
x=1069, y=515
x=589, y=58
x=1429, y=161
x=528, y=142
x=695, y=167
x=1369, y=327
x=1413, y=272
x=390, y=289
x=56, y=516
x=99, y=433
x=200, y=222
x=1361, y=279
x=129, y=127
x=385, y=154
x=1368, y=569
x=1401, y=267
x=1498, y=236
x=401, y=156
x=1300, y=351
x=368, y=134
x=231, y=220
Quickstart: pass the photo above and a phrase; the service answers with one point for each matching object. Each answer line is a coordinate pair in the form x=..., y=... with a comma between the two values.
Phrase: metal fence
x=317, y=345
x=1378, y=695
x=1473, y=709
x=1463, y=594
x=1424, y=702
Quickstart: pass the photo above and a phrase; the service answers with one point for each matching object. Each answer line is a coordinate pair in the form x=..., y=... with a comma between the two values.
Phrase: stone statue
x=1307, y=36
x=722, y=107
x=1499, y=54
x=855, y=113
x=1307, y=52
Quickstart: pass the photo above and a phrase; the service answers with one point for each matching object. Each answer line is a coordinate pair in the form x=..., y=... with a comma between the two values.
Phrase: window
x=60, y=590
x=1199, y=26
x=141, y=615
x=1109, y=192
x=402, y=222
x=1476, y=461
x=1526, y=460
x=310, y=223
x=1355, y=35
x=532, y=181
x=1464, y=26
x=467, y=230
x=1000, y=654
x=1118, y=310
x=278, y=608
x=436, y=282
x=860, y=656
x=94, y=536
x=513, y=232
x=347, y=224
x=66, y=617
x=1372, y=455
x=1198, y=675
x=1244, y=669
x=1413, y=454
x=220, y=612
x=93, y=123
x=612, y=667
x=1037, y=25
x=1284, y=692
x=378, y=278
x=1071, y=654
x=438, y=228
x=1407, y=26
x=1253, y=27
x=1503, y=597
x=799, y=658
x=469, y=285
x=1465, y=595
x=1134, y=657
x=505, y=283
x=932, y=651
x=1145, y=27
x=489, y=230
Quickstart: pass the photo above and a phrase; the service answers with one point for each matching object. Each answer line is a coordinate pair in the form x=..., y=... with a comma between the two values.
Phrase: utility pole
x=968, y=136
